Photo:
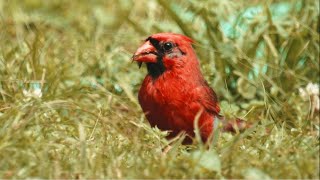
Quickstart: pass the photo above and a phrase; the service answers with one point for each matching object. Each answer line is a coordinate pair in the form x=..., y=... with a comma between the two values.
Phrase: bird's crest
x=174, y=36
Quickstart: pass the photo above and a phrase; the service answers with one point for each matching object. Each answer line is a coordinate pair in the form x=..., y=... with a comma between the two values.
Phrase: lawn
x=68, y=88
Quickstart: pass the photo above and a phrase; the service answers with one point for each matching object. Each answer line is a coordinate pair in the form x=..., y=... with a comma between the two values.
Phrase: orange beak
x=147, y=53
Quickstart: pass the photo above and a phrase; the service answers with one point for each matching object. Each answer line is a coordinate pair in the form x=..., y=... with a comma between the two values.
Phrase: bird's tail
x=234, y=125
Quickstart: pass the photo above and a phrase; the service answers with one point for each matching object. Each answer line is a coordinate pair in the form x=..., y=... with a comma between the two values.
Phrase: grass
x=68, y=89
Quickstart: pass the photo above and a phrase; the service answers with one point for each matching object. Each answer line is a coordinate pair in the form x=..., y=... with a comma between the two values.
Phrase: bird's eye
x=167, y=46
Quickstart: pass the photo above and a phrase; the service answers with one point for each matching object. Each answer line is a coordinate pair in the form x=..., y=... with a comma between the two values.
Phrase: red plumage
x=175, y=91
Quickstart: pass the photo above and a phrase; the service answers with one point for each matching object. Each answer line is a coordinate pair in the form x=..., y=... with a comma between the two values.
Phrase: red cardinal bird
x=174, y=92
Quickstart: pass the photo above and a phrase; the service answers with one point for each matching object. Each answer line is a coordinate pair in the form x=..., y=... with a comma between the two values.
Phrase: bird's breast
x=167, y=103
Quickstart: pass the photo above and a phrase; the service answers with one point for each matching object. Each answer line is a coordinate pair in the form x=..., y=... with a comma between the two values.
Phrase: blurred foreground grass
x=68, y=106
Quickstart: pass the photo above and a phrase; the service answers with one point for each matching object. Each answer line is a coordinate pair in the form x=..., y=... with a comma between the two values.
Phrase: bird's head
x=164, y=52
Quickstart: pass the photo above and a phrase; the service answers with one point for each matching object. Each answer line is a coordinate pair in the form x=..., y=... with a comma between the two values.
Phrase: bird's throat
x=156, y=69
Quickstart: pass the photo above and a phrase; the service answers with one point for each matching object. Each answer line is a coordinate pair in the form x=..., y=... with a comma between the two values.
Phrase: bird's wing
x=208, y=98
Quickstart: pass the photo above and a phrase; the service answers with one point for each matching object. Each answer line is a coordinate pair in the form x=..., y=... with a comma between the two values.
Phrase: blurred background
x=68, y=88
